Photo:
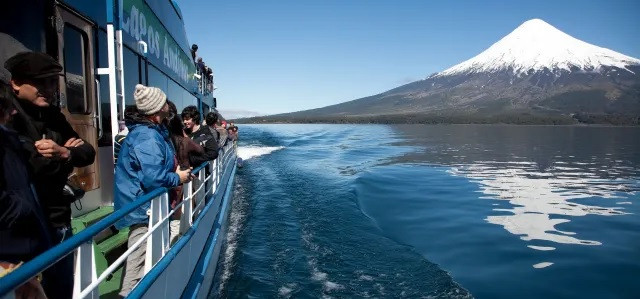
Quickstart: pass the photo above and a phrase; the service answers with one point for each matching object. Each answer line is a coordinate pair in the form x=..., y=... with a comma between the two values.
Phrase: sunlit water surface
x=434, y=211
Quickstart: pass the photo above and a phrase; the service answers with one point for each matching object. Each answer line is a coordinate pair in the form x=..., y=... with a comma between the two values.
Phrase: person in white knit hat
x=150, y=100
x=145, y=162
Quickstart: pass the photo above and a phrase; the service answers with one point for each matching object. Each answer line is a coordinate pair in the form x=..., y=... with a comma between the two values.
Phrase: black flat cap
x=32, y=65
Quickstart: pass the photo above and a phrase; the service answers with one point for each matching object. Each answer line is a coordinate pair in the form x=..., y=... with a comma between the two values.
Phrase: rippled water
x=434, y=211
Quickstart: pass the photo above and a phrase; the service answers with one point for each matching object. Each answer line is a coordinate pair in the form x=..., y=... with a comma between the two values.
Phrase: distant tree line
x=517, y=119
x=611, y=119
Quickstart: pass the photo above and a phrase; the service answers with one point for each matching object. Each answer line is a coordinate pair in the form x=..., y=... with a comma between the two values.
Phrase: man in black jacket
x=200, y=134
x=24, y=231
x=54, y=150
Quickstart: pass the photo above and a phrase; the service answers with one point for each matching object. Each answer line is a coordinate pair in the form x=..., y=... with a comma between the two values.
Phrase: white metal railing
x=157, y=237
x=205, y=83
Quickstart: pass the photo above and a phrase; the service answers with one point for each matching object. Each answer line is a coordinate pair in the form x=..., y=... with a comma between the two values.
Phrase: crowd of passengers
x=204, y=72
x=39, y=151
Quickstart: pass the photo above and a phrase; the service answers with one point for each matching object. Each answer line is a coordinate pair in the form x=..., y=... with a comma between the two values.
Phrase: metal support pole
x=85, y=270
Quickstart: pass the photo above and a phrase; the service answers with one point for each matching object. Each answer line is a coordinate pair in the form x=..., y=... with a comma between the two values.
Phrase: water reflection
x=540, y=201
x=547, y=175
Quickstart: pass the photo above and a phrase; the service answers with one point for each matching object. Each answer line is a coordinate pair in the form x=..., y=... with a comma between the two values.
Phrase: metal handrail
x=51, y=256
x=146, y=281
x=143, y=238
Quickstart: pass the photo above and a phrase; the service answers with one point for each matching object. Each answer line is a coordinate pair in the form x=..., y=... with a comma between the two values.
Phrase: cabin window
x=75, y=45
x=157, y=78
x=131, y=65
x=174, y=93
x=187, y=98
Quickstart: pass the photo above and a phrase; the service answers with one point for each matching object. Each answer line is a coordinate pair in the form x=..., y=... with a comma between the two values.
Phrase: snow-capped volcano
x=535, y=74
x=536, y=45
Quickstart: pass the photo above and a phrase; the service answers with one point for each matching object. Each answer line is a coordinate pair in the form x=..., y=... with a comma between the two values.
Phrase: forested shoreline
x=516, y=119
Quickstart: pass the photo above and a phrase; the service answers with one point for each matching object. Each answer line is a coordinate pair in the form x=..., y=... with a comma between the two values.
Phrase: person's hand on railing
x=185, y=175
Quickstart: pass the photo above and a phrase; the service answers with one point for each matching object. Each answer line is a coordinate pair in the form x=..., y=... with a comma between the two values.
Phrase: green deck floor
x=107, y=250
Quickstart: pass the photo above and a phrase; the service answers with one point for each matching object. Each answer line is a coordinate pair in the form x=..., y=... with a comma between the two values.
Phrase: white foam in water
x=317, y=275
x=286, y=290
x=237, y=216
x=542, y=265
x=379, y=288
x=542, y=248
x=249, y=152
x=331, y=286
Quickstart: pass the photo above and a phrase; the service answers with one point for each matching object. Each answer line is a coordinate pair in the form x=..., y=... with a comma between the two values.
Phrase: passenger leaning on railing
x=210, y=120
x=201, y=135
x=209, y=79
x=201, y=67
x=146, y=162
x=188, y=152
x=24, y=231
x=232, y=133
x=222, y=132
x=194, y=50
x=186, y=149
x=54, y=150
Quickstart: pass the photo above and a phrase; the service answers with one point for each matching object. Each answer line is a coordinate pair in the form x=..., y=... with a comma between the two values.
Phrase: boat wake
x=250, y=152
x=237, y=218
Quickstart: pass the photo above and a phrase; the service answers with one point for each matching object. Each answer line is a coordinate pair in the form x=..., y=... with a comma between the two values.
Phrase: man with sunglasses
x=54, y=149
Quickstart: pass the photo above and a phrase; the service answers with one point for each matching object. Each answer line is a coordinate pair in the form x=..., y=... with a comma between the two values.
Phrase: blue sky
x=281, y=56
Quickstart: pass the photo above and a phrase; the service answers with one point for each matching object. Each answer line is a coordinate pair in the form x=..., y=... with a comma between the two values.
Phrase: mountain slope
x=536, y=69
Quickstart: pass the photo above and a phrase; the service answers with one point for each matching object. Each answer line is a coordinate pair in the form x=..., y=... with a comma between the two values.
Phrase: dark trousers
x=57, y=280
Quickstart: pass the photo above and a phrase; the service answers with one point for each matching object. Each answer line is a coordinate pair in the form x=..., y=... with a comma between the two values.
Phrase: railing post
x=214, y=176
x=195, y=199
x=201, y=195
x=166, y=225
x=187, y=208
x=218, y=168
x=157, y=243
x=85, y=270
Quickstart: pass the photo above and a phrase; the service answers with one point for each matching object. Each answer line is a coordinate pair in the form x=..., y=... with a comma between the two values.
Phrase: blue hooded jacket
x=145, y=163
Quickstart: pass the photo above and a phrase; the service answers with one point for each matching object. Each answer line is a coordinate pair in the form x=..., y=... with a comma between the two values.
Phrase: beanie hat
x=149, y=100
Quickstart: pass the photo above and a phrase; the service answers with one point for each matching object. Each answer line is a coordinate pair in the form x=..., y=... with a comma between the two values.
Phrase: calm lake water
x=434, y=211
